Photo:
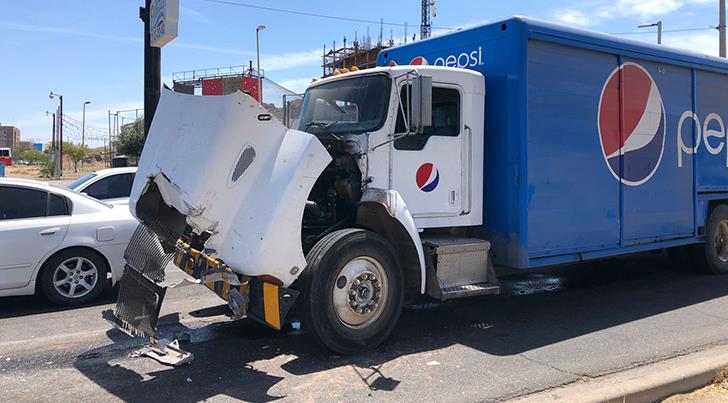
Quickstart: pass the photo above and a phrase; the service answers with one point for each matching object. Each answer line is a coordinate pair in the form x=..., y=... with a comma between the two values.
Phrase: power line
x=667, y=30
x=309, y=14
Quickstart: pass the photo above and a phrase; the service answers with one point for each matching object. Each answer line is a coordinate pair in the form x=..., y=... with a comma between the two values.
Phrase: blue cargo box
x=595, y=145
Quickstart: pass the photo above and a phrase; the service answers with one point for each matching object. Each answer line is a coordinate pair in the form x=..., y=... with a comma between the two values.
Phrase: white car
x=111, y=185
x=68, y=245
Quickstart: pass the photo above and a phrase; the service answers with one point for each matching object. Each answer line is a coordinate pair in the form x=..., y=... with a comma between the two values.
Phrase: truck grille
x=140, y=294
x=148, y=253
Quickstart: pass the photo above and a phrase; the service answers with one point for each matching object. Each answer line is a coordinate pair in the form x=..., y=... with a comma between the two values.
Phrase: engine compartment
x=333, y=201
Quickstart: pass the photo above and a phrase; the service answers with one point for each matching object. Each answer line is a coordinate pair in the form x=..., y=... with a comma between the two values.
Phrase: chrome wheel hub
x=75, y=277
x=359, y=291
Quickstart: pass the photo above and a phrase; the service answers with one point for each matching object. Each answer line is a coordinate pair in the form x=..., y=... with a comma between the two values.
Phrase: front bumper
x=143, y=287
x=263, y=301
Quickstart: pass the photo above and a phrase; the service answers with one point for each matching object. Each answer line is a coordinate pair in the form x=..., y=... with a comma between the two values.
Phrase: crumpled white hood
x=233, y=169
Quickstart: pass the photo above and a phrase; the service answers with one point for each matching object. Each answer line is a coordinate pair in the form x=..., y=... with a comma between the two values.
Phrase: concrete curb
x=643, y=384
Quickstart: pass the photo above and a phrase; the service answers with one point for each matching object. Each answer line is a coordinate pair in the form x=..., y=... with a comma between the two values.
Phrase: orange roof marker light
x=354, y=68
x=344, y=70
x=336, y=73
x=392, y=63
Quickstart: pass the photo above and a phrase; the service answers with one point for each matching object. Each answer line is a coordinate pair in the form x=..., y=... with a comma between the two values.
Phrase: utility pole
x=257, y=52
x=108, y=156
x=83, y=125
x=721, y=28
x=60, y=132
x=658, y=24
x=53, y=132
x=152, y=69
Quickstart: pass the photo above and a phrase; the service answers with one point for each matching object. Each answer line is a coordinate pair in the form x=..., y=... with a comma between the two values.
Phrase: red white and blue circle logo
x=633, y=149
x=419, y=61
x=428, y=177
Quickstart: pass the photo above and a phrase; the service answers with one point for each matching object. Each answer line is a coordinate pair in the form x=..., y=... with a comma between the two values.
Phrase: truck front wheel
x=715, y=254
x=352, y=290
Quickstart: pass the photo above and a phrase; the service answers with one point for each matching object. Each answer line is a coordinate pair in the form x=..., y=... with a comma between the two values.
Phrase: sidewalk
x=647, y=383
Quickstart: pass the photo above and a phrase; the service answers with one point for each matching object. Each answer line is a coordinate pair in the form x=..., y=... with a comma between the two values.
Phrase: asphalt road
x=545, y=330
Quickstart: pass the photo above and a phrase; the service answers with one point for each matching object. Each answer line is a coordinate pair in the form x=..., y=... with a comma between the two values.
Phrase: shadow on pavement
x=535, y=310
x=11, y=307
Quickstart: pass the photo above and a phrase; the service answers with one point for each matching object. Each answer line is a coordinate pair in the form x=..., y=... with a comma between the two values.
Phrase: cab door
x=427, y=169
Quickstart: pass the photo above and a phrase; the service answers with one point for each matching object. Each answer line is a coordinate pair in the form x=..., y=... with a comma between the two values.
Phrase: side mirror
x=421, y=115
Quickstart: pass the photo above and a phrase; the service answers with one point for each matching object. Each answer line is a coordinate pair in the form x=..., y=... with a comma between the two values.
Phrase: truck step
x=469, y=290
x=459, y=267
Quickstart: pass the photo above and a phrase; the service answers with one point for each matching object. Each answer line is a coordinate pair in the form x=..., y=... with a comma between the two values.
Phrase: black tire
x=51, y=272
x=708, y=254
x=322, y=283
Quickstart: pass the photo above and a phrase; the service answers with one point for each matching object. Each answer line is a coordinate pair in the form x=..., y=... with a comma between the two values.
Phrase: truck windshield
x=354, y=105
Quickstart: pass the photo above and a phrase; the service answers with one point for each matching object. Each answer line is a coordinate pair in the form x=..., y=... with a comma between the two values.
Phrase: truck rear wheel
x=714, y=256
x=352, y=290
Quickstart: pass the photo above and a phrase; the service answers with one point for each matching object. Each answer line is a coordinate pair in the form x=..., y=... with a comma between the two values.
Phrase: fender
x=393, y=203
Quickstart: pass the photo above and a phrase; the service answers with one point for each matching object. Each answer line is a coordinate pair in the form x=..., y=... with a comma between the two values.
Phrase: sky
x=92, y=50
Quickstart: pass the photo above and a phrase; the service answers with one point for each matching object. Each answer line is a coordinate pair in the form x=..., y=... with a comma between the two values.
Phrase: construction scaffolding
x=359, y=55
x=219, y=81
x=226, y=80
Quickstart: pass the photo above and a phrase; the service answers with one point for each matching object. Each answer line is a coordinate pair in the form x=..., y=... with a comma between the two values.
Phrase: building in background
x=9, y=136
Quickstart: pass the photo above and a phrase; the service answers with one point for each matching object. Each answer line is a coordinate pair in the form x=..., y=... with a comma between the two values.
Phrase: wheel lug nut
x=366, y=311
x=352, y=303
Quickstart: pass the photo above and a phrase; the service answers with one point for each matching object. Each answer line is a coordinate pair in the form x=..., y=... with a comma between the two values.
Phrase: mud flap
x=269, y=304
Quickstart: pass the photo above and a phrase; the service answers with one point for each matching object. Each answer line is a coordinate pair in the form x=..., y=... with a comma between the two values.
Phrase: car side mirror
x=421, y=115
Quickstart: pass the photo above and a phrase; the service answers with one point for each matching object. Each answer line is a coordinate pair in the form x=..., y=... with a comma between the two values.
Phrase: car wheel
x=353, y=290
x=73, y=277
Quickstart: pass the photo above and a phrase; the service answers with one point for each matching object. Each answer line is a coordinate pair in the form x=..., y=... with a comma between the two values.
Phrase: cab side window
x=445, y=118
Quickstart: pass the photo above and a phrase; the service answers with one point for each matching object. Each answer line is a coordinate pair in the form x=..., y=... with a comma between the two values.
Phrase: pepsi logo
x=419, y=61
x=428, y=177
x=632, y=147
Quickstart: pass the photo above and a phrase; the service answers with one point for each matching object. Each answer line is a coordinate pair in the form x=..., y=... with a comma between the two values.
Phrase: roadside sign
x=164, y=17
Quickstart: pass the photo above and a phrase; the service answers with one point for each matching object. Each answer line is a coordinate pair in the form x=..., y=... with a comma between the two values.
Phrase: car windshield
x=354, y=105
x=80, y=181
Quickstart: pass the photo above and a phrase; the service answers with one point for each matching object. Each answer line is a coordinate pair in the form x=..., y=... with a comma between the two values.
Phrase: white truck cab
x=370, y=198
x=438, y=173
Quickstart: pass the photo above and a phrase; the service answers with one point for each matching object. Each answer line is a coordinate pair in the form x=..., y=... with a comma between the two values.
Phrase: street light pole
x=658, y=24
x=83, y=125
x=257, y=51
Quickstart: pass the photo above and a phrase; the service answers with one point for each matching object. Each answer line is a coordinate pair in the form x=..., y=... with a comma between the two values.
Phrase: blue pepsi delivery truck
x=594, y=145
x=519, y=144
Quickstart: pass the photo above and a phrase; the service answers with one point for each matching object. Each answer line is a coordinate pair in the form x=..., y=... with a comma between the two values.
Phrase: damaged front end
x=220, y=192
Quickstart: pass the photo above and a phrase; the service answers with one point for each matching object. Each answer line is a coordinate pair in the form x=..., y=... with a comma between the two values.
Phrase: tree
x=32, y=157
x=130, y=141
x=76, y=152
